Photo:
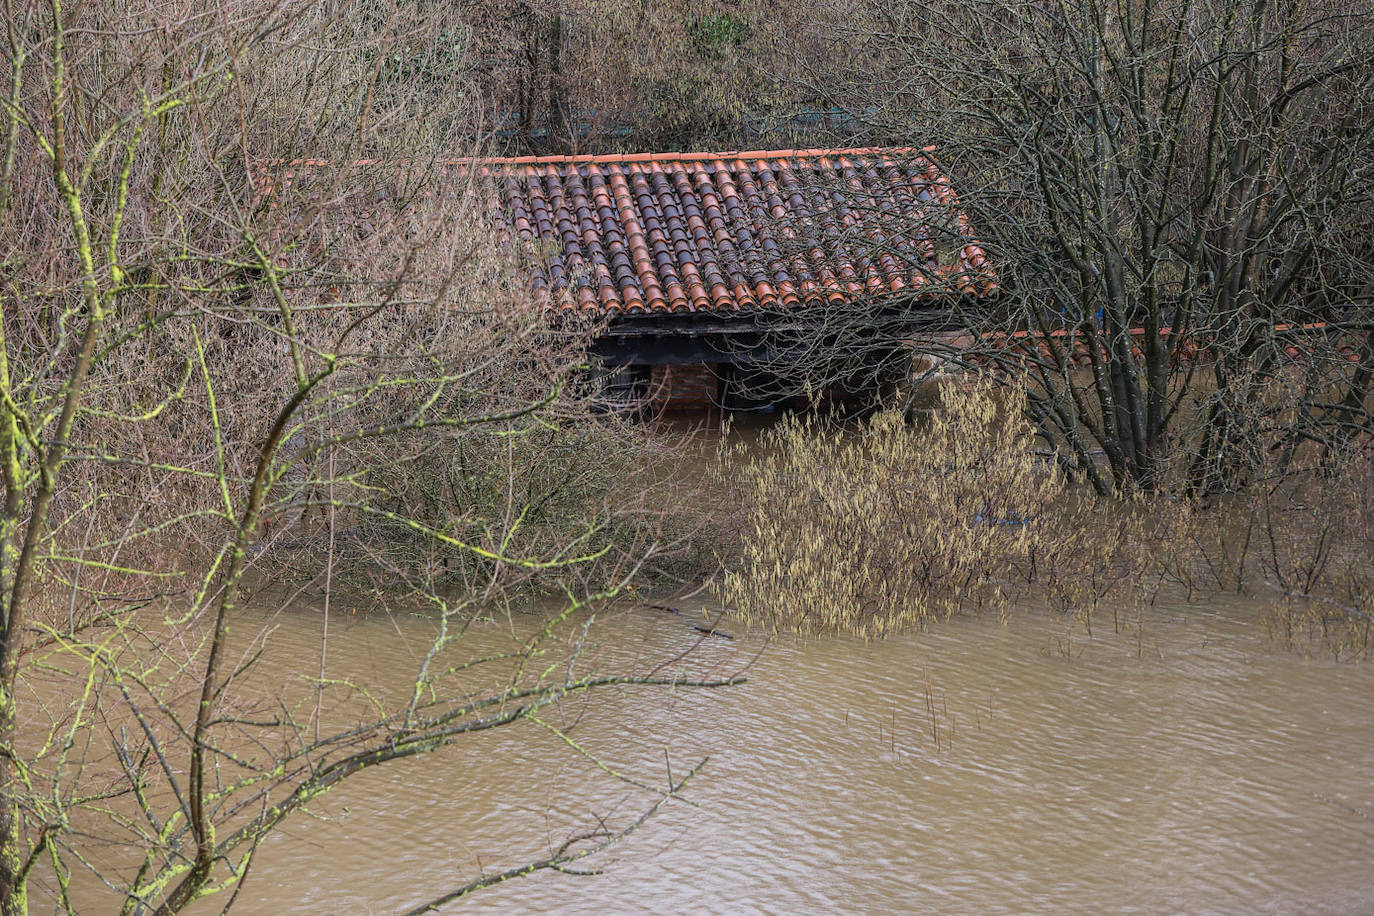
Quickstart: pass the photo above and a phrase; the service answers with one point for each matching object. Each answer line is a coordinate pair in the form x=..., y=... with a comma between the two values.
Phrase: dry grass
x=879, y=530
x=1313, y=553
x=875, y=532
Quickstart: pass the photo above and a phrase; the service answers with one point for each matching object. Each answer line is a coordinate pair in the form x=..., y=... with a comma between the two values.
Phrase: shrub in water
x=874, y=532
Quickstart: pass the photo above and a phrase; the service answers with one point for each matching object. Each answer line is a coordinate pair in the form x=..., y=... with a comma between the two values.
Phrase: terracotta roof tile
x=723, y=232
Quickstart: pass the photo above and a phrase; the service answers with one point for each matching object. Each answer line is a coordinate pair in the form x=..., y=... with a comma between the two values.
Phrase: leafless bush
x=1312, y=553
x=888, y=525
x=891, y=525
x=879, y=529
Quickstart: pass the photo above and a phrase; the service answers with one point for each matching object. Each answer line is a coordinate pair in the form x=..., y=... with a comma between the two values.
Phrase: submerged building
x=733, y=279
x=718, y=274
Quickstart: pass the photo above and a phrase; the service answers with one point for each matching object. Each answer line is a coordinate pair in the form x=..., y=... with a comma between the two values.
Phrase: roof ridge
x=625, y=158
x=812, y=153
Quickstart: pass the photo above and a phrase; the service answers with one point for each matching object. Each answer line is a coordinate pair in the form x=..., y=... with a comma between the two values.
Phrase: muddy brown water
x=977, y=767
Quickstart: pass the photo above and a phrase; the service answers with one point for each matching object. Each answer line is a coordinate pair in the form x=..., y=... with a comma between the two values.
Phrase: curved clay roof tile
x=723, y=231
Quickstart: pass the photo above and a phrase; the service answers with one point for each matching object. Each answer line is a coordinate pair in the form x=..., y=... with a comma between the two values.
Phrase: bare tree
x=1172, y=194
x=212, y=354
x=590, y=76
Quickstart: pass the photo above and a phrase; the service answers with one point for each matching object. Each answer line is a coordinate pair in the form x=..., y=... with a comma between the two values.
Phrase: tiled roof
x=1076, y=348
x=727, y=232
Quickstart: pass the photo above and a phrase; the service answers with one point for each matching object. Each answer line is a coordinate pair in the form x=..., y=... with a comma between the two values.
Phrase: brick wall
x=689, y=387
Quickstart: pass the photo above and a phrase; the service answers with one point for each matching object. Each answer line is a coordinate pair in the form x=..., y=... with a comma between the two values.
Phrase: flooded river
x=1186, y=767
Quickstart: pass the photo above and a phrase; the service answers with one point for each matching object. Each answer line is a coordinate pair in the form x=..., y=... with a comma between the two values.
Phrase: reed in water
x=884, y=527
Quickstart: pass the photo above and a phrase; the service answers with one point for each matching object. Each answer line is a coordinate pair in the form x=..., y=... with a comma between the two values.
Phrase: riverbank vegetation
x=887, y=525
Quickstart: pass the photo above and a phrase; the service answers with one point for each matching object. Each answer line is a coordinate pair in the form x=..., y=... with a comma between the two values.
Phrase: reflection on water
x=971, y=768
